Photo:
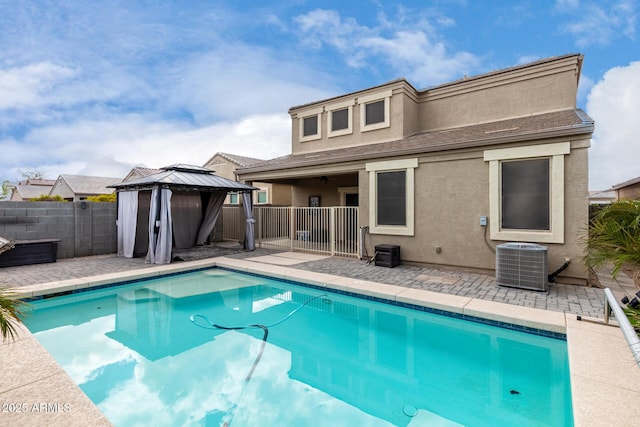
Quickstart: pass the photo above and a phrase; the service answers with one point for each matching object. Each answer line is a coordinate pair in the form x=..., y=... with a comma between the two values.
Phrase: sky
x=90, y=87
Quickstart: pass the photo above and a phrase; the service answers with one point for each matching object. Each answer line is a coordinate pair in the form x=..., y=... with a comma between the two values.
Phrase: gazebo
x=174, y=208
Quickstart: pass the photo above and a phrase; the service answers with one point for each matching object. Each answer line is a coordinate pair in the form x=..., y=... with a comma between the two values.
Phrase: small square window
x=340, y=119
x=262, y=197
x=233, y=198
x=310, y=126
x=374, y=112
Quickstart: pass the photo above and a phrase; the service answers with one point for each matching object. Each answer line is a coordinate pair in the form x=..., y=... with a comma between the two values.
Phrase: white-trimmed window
x=391, y=196
x=262, y=198
x=375, y=111
x=526, y=193
x=340, y=118
x=232, y=198
x=310, y=125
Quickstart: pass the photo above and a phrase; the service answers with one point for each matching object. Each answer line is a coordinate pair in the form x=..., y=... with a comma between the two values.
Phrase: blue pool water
x=147, y=353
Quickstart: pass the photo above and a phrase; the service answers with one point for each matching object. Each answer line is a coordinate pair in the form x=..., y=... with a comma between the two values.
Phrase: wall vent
x=522, y=265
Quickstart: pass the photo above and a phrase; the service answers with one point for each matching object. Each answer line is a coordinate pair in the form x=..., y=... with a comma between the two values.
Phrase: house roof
x=626, y=183
x=140, y=171
x=560, y=123
x=27, y=192
x=183, y=176
x=241, y=161
x=45, y=182
x=81, y=184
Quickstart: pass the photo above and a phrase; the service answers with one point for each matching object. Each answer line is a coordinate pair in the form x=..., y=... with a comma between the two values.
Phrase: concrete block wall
x=84, y=228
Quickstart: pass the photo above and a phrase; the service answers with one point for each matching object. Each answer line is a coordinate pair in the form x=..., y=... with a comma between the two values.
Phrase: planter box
x=27, y=252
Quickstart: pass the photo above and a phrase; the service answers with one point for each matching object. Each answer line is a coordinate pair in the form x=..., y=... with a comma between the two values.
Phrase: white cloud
x=23, y=87
x=113, y=147
x=598, y=23
x=614, y=104
x=237, y=80
x=413, y=50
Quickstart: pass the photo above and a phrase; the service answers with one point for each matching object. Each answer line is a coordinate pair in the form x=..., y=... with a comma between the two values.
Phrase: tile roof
x=241, y=161
x=499, y=132
x=27, y=192
x=81, y=184
x=626, y=183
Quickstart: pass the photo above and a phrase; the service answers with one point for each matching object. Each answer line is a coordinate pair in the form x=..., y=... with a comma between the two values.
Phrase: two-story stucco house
x=427, y=167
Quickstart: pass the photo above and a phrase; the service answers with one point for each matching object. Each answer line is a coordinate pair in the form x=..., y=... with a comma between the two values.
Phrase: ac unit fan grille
x=522, y=265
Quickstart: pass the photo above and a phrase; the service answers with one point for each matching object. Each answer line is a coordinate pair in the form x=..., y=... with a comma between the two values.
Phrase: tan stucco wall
x=60, y=188
x=629, y=192
x=541, y=88
x=451, y=193
x=400, y=91
x=276, y=194
x=500, y=98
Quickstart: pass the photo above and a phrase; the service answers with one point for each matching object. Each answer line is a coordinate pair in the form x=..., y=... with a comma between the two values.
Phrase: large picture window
x=391, y=196
x=526, y=193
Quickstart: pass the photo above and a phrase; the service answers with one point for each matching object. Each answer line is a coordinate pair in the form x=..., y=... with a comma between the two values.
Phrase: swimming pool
x=328, y=359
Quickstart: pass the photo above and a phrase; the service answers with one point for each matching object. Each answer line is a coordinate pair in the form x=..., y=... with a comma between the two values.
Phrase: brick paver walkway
x=580, y=300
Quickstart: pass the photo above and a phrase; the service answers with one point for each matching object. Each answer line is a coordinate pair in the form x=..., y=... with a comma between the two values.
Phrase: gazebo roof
x=186, y=177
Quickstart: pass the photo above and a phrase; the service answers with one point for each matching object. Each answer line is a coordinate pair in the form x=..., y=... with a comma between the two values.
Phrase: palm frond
x=11, y=313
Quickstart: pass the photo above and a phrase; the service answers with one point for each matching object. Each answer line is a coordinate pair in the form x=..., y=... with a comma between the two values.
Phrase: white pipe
x=627, y=330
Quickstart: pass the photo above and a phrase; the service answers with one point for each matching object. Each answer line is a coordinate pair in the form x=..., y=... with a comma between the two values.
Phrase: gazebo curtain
x=160, y=227
x=127, y=221
x=214, y=207
x=186, y=213
x=249, y=238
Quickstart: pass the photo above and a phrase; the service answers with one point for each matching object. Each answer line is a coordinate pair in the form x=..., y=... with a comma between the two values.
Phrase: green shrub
x=48, y=198
x=104, y=198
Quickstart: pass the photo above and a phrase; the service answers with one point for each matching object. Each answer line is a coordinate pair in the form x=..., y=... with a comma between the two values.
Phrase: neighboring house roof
x=45, y=182
x=27, y=192
x=560, y=123
x=626, y=183
x=185, y=176
x=81, y=184
x=241, y=161
x=601, y=197
x=138, y=172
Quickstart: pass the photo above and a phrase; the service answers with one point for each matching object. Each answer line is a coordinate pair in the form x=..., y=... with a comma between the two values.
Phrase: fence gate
x=331, y=231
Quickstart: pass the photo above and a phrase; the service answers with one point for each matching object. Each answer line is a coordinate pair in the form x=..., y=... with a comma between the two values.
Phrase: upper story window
x=375, y=111
x=526, y=193
x=340, y=118
x=310, y=125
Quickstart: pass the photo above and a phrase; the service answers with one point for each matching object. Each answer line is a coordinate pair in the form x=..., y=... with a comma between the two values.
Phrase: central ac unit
x=522, y=265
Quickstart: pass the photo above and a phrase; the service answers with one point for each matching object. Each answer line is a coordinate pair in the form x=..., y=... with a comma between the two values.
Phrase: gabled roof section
x=548, y=125
x=81, y=184
x=186, y=177
x=241, y=161
x=626, y=183
x=28, y=192
x=140, y=171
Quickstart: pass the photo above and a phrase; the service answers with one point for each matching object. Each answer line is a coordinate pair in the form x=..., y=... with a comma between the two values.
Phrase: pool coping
x=605, y=380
